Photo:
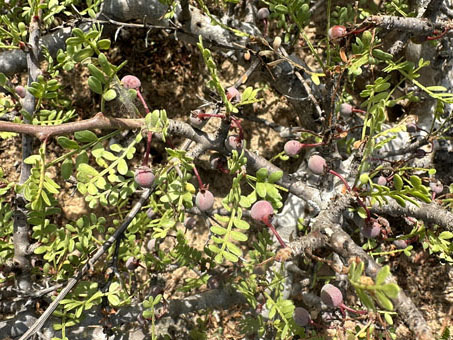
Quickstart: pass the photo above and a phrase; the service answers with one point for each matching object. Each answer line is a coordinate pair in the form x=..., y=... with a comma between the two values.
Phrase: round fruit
x=382, y=180
x=196, y=121
x=331, y=295
x=131, y=263
x=263, y=13
x=131, y=82
x=436, y=187
x=21, y=91
x=411, y=127
x=345, y=109
x=217, y=161
x=233, y=143
x=337, y=32
x=261, y=209
x=400, y=244
x=150, y=213
x=317, y=164
x=144, y=177
x=372, y=231
x=292, y=147
x=301, y=316
x=151, y=245
x=233, y=94
x=204, y=200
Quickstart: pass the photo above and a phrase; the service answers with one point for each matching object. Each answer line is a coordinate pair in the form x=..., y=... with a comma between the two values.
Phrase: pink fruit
x=331, y=296
x=195, y=120
x=345, y=109
x=150, y=213
x=21, y=91
x=217, y=161
x=151, y=245
x=261, y=210
x=233, y=94
x=301, y=316
x=263, y=13
x=400, y=244
x=436, y=187
x=292, y=147
x=233, y=142
x=336, y=32
x=372, y=231
x=317, y=164
x=204, y=200
x=132, y=263
x=144, y=177
x=131, y=82
x=382, y=180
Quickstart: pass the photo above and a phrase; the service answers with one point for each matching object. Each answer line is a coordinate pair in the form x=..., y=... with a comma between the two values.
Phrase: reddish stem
x=439, y=35
x=148, y=148
x=358, y=110
x=143, y=101
x=271, y=227
x=208, y=115
x=341, y=178
x=343, y=307
x=200, y=183
x=237, y=124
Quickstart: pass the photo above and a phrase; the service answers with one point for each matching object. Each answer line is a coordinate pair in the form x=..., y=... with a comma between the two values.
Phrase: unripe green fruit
x=131, y=82
x=331, y=295
x=317, y=164
x=204, y=200
x=144, y=177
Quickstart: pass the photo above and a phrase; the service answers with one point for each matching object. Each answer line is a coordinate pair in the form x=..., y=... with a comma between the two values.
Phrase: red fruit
x=331, y=296
x=436, y=187
x=292, y=147
x=21, y=91
x=204, y=200
x=337, y=32
x=131, y=82
x=233, y=94
x=372, y=231
x=233, y=142
x=263, y=13
x=382, y=180
x=345, y=109
x=144, y=177
x=317, y=164
x=261, y=210
x=301, y=316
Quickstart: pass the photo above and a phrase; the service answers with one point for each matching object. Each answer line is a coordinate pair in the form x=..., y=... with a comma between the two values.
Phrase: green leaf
x=415, y=181
x=261, y=189
x=261, y=175
x=114, y=300
x=66, y=168
x=229, y=257
x=275, y=176
x=95, y=85
x=388, y=318
x=383, y=300
x=103, y=44
x=238, y=236
x=382, y=275
x=446, y=235
x=366, y=300
x=241, y=224
x=83, y=54
x=67, y=143
x=122, y=166
x=391, y=290
x=109, y=95
x=85, y=136
x=218, y=230
x=3, y=79
x=234, y=249
x=97, y=73
x=397, y=182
